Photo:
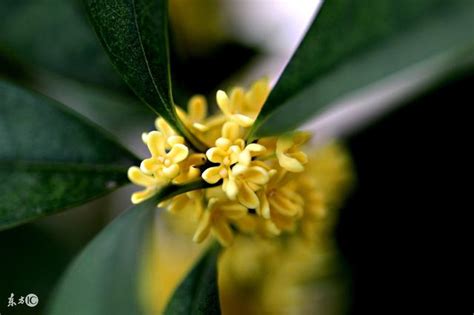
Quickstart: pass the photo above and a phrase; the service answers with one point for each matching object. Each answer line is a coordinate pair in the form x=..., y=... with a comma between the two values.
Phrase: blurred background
x=391, y=233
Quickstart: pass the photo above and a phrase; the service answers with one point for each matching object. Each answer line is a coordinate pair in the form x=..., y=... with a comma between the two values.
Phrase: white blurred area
x=274, y=26
x=278, y=26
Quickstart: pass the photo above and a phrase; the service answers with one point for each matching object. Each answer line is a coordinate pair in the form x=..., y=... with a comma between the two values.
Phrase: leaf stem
x=174, y=190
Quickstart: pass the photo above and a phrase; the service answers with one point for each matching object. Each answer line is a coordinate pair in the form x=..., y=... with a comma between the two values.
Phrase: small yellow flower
x=162, y=162
x=289, y=153
x=151, y=183
x=245, y=181
x=242, y=107
x=189, y=168
x=207, y=129
x=197, y=112
x=315, y=206
x=240, y=179
x=217, y=218
x=250, y=151
x=254, y=224
x=280, y=200
x=332, y=171
x=190, y=202
x=162, y=126
x=225, y=153
x=256, y=97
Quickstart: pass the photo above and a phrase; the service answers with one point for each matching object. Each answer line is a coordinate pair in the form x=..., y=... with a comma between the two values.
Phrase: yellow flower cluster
x=259, y=275
x=258, y=187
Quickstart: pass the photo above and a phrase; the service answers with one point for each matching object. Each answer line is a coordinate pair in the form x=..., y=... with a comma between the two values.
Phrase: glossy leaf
x=135, y=35
x=353, y=44
x=199, y=292
x=104, y=278
x=51, y=158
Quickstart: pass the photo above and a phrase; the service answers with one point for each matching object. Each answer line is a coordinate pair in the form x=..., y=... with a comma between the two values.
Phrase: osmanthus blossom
x=261, y=187
x=260, y=273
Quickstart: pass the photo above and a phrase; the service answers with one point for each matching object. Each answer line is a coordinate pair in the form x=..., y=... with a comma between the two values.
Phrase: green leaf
x=198, y=293
x=353, y=44
x=103, y=107
x=106, y=274
x=67, y=44
x=50, y=158
x=104, y=278
x=135, y=35
x=20, y=276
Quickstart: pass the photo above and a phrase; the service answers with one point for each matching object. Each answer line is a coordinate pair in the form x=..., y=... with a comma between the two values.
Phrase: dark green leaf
x=67, y=44
x=50, y=158
x=106, y=274
x=20, y=276
x=104, y=279
x=353, y=44
x=69, y=47
x=198, y=293
x=135, y=35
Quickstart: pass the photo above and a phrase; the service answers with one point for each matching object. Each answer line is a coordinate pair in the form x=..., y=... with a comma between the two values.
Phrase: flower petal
x=149, y=165
x=145, y=137
x=290, y=164
x=197, y=108
x=171, y=171
x=301, y=137
x=284, y=208
x=212, y=174
x=137, y=177
x=258, y=94
x=257, y=175
x=164, y=127
x=223, y=233
x=283, y=222
x=239, y=169
x=178, y=203
x=204, y=227
x=140, y=196
x=248, y=197
x=223, y=102
x=230, y=188
x=216, y=155
x=251, y=150
x=264, y=207
x=233, y=210
x=178, y=153
x=156, y=143
x=242, y=120
x=172, y=140
x=231, y=131
x=200, y=127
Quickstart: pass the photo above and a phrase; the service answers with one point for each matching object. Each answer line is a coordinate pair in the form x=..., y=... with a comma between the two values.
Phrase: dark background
x=399, y=231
